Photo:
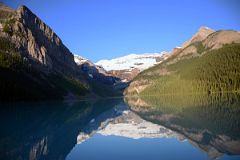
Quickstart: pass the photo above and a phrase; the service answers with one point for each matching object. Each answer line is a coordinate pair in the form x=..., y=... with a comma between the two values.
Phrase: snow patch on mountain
x=80, y=60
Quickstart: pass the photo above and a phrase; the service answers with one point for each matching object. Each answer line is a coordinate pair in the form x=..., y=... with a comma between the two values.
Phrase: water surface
x=170, y=127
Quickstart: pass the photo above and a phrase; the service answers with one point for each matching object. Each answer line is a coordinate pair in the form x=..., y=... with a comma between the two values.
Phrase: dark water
x=170, y=127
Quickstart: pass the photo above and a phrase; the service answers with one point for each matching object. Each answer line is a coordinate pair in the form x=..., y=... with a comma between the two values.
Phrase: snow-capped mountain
x=131, y=61
x=127, y=67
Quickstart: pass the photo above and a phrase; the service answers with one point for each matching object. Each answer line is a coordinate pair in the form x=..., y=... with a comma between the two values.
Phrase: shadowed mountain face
x=211, y=123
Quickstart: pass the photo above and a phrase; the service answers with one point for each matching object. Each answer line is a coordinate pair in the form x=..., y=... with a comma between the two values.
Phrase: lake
x=168, y=127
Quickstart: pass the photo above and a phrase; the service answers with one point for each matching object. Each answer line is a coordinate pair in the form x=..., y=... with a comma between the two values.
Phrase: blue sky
x=105, y=29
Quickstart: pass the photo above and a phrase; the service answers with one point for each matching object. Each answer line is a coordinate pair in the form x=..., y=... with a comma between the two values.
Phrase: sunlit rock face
x=36, y=41
x=202, y=33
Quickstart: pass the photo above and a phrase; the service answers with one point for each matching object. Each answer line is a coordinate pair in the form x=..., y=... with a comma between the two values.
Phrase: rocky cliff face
x=37, y=42
x=218, y=39
x=95, y=72
x=202, y=33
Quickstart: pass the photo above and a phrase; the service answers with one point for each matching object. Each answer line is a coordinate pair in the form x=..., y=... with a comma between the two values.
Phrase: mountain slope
x=95, y=72
x=102, y=82
x=20, y=81
x=213, y=68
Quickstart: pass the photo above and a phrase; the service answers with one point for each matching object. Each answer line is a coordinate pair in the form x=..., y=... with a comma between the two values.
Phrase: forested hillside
x=215, y=71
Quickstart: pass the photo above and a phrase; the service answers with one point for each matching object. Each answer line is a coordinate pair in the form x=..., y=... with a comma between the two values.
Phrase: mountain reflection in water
x=211, y=123
x=199, y=127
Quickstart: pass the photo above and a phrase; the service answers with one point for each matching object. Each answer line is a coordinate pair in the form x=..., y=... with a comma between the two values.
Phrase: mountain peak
x=202, y=33
x=23, y=7
x=205, y=28
x=25, y=11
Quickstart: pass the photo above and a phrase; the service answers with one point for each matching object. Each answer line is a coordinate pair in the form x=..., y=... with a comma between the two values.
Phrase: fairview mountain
x=208, y=63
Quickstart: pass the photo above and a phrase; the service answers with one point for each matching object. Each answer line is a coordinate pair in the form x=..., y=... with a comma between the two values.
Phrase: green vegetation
x=200, y=47
x=216, y=71
x=9, y=57
x=104, y=90
x=20, y=81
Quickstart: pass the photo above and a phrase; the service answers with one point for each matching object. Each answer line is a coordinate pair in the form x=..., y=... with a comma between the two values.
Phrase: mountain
x=37, y=42
x=5, y=12
x=95, y=72
x=202, y=33
x=207, y=63
x=127, y=67
x=36, y=65
x=100, y=78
